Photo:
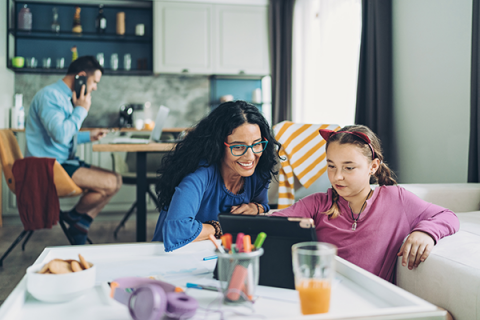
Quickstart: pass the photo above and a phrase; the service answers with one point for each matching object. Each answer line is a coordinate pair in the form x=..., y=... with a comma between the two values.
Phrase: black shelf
x=107, y=72
x=41, y=42
x=85, y=36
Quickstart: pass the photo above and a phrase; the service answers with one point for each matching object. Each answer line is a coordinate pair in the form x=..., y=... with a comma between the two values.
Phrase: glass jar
x=25, y=19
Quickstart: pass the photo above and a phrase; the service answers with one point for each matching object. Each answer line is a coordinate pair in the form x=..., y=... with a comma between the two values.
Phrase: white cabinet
x=203, y=38
x=241, y=40
x=182, y=38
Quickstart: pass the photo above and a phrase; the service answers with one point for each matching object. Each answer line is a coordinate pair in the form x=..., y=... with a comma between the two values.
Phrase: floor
x=17, y=261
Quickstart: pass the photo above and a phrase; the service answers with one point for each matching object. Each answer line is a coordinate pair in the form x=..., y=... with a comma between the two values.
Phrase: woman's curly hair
x=205, y=142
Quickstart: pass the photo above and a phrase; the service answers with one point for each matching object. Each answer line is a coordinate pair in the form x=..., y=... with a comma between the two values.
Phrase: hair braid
x=334, y=210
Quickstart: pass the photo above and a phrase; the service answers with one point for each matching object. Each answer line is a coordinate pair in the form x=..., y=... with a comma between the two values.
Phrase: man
x=54, y=120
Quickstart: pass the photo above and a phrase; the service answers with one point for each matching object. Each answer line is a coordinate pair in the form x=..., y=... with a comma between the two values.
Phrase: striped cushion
x=304, y=151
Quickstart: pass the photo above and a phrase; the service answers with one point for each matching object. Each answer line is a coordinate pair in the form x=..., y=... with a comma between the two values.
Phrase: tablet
x=282, y=232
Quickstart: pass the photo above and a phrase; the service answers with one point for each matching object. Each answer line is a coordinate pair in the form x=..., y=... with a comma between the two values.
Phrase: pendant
x=354, y=225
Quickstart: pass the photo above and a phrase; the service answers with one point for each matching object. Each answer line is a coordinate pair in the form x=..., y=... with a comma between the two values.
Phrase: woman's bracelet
x=216, y=225
x=258, y=208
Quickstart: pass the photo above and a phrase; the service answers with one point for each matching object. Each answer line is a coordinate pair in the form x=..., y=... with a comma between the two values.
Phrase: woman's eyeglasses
x=238, y=150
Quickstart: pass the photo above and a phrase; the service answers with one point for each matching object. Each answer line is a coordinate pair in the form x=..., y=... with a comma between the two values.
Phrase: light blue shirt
x=200, y=197
x=53, y=122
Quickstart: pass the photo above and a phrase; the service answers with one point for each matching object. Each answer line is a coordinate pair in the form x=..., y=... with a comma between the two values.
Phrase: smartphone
x=79, y=82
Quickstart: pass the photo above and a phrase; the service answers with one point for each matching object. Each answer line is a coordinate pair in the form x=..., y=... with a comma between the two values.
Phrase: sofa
x=450, y=277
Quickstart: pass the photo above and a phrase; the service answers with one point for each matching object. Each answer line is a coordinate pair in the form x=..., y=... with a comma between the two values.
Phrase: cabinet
x=183, y=38
x=203, y=38
x=241, y=40
x=41, y=42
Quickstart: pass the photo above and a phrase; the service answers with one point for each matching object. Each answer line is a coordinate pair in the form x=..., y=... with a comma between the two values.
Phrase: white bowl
x=59, y=287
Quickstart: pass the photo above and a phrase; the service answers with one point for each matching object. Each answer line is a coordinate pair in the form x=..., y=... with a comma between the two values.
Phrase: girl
x=368, y=226
x=223, y=164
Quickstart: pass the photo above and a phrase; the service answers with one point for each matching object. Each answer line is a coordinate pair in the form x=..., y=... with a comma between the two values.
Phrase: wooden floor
x=17, y=261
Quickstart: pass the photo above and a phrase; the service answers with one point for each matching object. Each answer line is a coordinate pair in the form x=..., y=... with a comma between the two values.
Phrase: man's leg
x=100, y=185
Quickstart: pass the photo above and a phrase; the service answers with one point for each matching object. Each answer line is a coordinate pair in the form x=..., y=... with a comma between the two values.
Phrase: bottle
x=77, y=25
x=74, y=53
x=121, y=23
x=100, y=21
x=55, y=25
x=25, y=19
x=17, y=115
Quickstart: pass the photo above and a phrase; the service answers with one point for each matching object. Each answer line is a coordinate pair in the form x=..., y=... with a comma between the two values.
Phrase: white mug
x=139, y=29
x=139, y=124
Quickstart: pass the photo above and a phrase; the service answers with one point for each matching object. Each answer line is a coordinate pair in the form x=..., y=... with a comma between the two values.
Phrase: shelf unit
x=41, y=42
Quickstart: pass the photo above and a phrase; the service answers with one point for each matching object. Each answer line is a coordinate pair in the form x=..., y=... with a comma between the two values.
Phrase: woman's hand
x=246, y=208
x=416, y=249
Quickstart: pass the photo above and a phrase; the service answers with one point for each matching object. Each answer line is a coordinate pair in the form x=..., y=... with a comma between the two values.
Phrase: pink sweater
x=390, y=215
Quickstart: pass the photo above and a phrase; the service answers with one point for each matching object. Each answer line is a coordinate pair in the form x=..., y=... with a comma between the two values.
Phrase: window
x=326, y=50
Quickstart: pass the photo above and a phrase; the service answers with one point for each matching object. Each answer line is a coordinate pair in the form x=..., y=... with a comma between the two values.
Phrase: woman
x=369, y=226
x=223, y=165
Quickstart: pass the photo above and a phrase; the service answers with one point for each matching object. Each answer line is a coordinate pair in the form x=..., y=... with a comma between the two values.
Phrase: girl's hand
x=245, y=208
x=416, y=249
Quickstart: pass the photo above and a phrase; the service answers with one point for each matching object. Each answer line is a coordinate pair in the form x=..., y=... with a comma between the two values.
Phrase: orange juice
x=314, y=296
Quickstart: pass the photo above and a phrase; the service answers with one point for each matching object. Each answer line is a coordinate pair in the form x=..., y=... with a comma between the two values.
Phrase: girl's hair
x=383, y=176
x=205, y=143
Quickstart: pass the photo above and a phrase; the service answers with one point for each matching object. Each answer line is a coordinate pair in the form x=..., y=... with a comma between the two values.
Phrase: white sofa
x=450, y=277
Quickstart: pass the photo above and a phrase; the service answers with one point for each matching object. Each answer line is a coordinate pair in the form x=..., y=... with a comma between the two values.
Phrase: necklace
x=354, y=225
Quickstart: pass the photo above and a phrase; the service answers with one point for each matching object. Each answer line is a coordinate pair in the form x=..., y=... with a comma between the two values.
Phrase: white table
x=356, y=294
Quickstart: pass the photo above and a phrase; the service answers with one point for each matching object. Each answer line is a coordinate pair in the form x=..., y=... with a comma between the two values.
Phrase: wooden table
x=141, y=150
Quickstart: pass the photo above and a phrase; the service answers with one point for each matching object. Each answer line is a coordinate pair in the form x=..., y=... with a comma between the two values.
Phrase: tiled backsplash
x=186, y=96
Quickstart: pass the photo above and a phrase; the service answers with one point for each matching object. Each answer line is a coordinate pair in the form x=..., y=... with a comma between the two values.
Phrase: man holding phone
x=54, y=120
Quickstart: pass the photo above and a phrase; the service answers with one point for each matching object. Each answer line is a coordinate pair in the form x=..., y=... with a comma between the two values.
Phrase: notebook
x=156, y=133
x=282, y=233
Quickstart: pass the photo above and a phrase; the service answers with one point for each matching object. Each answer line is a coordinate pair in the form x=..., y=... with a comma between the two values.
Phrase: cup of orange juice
x=314, y=269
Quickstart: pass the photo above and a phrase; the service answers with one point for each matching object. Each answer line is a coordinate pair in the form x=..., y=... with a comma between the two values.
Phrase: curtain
x=280, y=28
x=326, y=49
x=474, y=147
x=374, y=92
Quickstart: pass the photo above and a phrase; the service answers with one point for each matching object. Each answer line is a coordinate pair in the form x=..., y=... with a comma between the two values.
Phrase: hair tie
x=327, y=134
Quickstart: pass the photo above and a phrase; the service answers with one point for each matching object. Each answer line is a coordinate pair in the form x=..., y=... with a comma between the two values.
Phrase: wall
x=6, y=76
x=431, y=85
x=186, y=96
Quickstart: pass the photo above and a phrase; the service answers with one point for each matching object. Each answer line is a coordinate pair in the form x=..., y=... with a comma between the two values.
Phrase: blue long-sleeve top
x=53, y=122
x=200, y=197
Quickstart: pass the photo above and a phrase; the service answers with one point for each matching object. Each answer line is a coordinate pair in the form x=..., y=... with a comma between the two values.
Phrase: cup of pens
x=239, y=269
x=238, y=274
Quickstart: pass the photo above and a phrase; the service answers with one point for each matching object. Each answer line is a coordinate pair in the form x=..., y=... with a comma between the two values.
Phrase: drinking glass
x=60, y=63
x=314, y=268
x=127, y=61
x=114, y=61
x=47, y=62
x=101, y=59
x=31, y=62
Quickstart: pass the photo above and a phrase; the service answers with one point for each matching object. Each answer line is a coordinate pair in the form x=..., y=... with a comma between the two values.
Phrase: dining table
x=141, y=151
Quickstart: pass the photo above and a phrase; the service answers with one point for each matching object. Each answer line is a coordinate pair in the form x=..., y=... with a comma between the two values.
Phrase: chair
x=9, y=153
x=127, y=168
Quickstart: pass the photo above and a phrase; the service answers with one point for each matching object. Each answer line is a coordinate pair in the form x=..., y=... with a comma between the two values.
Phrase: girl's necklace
x=354, y=225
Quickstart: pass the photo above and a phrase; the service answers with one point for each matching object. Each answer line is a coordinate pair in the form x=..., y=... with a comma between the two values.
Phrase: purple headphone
x=149, y=299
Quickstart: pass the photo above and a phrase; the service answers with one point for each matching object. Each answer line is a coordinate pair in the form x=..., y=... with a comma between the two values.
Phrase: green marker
x=260, y=239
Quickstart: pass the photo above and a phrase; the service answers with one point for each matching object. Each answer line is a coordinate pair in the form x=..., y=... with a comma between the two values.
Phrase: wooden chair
x=9, y=153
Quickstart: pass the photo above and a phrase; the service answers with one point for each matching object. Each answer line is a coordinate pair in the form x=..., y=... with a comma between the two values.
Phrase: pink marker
x=239, y=242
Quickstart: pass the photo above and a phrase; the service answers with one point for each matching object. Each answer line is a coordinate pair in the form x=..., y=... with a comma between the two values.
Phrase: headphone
x=149, y=299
